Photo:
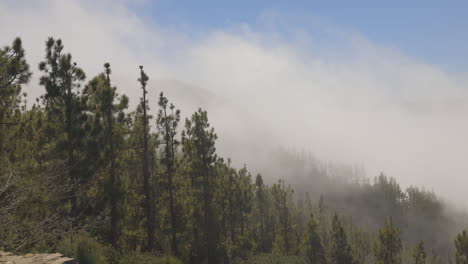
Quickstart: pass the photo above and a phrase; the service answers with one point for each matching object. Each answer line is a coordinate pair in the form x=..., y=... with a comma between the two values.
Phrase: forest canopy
x=88, y=174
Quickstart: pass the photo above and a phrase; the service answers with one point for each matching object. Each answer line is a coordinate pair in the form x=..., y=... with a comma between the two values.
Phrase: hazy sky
x=431, y=30
x=381, y=85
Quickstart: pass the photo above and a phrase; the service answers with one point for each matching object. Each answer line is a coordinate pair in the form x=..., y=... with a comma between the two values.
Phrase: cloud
x=345, y=99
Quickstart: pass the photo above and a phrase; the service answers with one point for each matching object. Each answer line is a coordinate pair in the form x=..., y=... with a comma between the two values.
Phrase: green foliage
x=66, y=111
x=284, y=242
x=461, y=247
x=167, y=122
x=275, y=259
x=83, y=248
x=198, y=145
x=361, y=244
x=13, y=66
x=388, y=246
x=87, y=250
x=14, y=72
x=108, y=122
x=148, y=183
x=312, y=247
x=86, y=254
x=340, y=250
x=82, y=174
x=144, y=258
x=419, y=253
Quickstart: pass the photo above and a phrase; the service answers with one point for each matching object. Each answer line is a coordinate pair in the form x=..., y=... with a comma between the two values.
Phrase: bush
x=87, y=250
x=83, y=248
x=275, y=259
x=144, y=258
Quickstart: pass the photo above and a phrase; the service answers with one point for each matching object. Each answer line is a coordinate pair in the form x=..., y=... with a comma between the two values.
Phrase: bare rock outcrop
x=56, y=258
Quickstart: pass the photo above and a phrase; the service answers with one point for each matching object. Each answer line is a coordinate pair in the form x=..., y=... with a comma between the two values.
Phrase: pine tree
x=227, y=192
x=260, y=200
x=321, y=206
x=134, y=226
x=312, y=245
x=324, y=224
x=244, y=201
x=108, y=110
x=14, y=72
x=167, y=122
x=388, y=246
x=62, y=80
x=339, y=251
x=281, y=196
x=360, y=241
x=461, y=247
x=198, y=141
x=419, y=254
x=147, y=186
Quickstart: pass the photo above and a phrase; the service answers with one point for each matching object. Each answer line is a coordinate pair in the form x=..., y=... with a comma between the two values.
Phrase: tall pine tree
x=62, y=80
x=167, y=122
x=198, y=141
x=419, y=253
x=14, y=72
x=108, y=109
x=461, y=247
x=312, y=244
x=147, y=186
x=340, y=250
x=388, y=246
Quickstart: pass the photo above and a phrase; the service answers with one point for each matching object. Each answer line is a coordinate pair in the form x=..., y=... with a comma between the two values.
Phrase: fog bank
x=350, y=100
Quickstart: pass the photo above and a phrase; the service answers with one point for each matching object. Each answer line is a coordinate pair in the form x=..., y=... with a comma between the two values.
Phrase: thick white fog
x=351, y=100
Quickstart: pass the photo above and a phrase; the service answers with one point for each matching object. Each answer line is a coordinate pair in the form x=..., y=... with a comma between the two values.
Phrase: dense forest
x=84, y=174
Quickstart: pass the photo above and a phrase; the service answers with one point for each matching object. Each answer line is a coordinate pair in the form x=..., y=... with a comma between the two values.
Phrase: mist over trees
x=83, y=173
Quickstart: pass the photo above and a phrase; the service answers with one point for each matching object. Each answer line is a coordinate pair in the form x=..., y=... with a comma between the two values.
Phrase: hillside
x=86, y=174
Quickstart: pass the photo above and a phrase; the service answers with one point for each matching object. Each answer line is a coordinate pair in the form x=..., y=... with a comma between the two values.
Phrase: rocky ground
x=56, y=258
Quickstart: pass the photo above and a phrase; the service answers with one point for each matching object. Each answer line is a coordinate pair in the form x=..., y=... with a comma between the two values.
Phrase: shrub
x=275, y=259
x=144, y=258
x=83, y=248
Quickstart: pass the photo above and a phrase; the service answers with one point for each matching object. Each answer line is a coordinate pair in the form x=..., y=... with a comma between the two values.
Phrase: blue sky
x=434, y=32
